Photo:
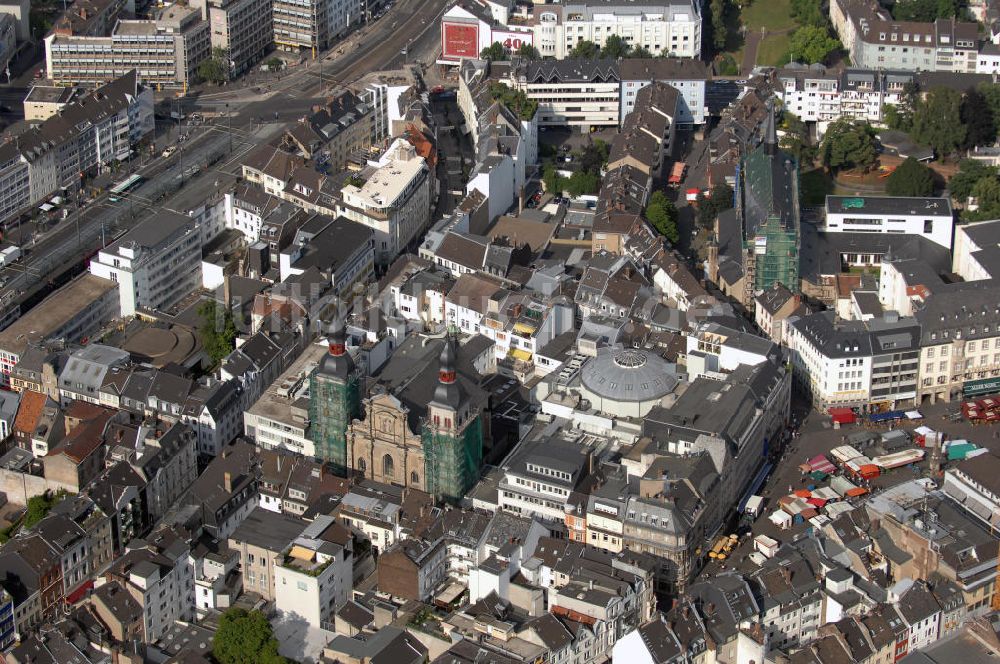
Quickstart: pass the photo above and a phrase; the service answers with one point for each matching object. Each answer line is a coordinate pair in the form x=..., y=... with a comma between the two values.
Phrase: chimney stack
x=227, y=481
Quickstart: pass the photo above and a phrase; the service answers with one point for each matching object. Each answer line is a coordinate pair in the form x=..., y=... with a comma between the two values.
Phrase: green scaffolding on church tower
x=334, y=400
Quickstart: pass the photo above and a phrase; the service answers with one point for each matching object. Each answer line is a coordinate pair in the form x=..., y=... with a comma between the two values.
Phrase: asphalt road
x=76, y=238
x=387, y=43
x=383, y=44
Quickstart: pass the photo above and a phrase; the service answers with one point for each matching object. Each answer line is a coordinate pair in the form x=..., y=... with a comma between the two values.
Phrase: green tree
x=215, y=68
x=848, y=144
x=640, y=52
x=795, y=138
x=970, y=172
x=934, y=121
x=911, y=178
x=719, y=199
x=583, y=182
x=812, y=43
x=986, y=193
x=809, y=12
x=924, y=11
x=594, y=156
x=720, y=23
x=662, y=215
x=585, y=49
x=615, y=47
x=515, y=100
x=528, y=52
x=495, y=52
x=900, y=116
x=217, y=331
x=552, y=180
x=991, y=94
x=245, y=638
x=275, y=64
x=977, y=116
x=727, y=65
x=39, y=506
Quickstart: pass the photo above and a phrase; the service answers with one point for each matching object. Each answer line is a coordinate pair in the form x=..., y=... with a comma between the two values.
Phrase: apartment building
x=313, y=576
x=155, y=264
x=339, y=249
x=686, y=75
x=854, y=363
x=924, y=217
x=160, y=579
x=241, y=28
x=87, y=136
x=975, y=247
x=672, y=28
x=260, y=541
x=819, y=95
x=960, y=341
x=875, y=41
x=394, y=200
x=166, y=51
x=280, y=418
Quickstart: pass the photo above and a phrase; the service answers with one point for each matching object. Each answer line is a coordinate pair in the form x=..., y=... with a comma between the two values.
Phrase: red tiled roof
x=29, y=410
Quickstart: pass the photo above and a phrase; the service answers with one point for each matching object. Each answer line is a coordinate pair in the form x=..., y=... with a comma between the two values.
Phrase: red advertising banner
x=460, y=40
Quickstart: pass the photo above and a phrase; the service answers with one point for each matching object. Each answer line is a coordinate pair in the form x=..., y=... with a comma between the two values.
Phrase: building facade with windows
x=166, y=51
x=925, y=217
x=155, y=264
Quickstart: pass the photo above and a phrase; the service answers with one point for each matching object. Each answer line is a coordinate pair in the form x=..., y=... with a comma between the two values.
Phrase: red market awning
x=842, y=415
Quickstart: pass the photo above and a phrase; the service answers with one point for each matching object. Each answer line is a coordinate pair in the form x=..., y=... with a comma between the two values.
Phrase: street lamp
x=229, y=120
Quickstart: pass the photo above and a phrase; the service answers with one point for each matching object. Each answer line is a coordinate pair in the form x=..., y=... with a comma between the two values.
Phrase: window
x=414, y=478
x=362, y=466
x=388, y=464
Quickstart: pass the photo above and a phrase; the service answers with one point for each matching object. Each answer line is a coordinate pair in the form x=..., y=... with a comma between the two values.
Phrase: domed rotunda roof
x=628, y=374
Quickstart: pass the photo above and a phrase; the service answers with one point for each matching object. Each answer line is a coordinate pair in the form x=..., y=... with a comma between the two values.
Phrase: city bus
x=125, y=186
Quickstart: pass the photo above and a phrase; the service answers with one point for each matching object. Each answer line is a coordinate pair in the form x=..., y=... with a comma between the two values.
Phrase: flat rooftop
x=135, y=28
x=54, y=312
x=888, y=205
x=50, y=94
x=277, y=400
x=386, y=184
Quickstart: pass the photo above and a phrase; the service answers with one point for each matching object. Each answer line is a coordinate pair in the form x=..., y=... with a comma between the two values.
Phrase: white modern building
x=663, y=27
x=155, y=264
x=576, y=93
x=927, y=217
x=688, y=75
x=854, y=363
x=166, y=51
x=313, y=578
x=671, y=27
x=818, y=95
x=394, y=200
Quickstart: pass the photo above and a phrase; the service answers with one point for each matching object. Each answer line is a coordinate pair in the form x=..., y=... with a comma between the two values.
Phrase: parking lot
x=815, y=436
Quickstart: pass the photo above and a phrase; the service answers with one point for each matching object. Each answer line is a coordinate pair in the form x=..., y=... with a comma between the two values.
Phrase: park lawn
x=814, y=185
x=775, y=15
x=773, y=50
